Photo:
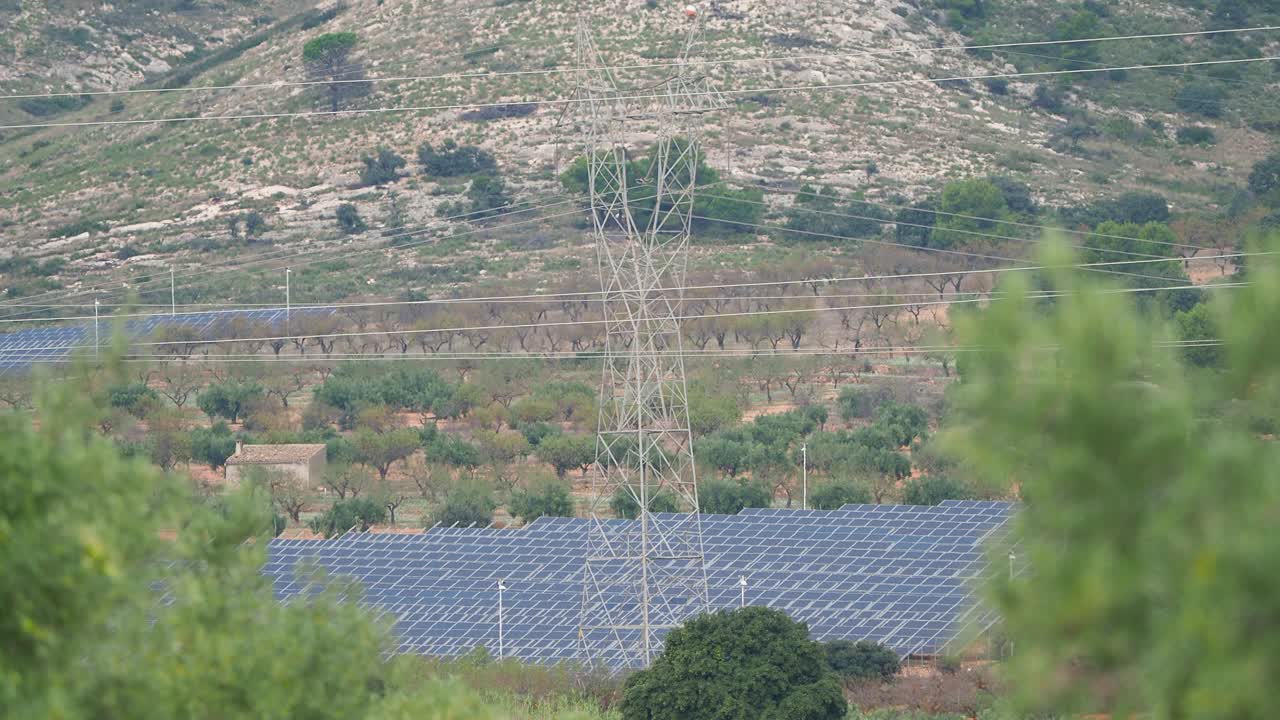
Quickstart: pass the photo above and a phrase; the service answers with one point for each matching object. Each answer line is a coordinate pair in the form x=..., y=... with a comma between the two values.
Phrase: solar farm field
x=902, y=575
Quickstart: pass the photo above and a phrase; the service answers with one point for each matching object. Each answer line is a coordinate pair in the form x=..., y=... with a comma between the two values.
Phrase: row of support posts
x=173, y=306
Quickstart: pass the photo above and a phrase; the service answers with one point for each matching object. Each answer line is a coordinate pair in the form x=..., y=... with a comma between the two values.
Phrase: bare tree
x=346, y=480
x=180, y=382
x=799, y=374
x=794, y=325
x=285, y=384
x=432, y=480
x=287, y=493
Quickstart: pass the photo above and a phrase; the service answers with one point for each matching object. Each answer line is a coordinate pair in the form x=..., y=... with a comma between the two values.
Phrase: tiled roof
x=274, y=454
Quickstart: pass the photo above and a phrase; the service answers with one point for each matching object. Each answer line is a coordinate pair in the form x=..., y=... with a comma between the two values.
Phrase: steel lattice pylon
x=641, y=579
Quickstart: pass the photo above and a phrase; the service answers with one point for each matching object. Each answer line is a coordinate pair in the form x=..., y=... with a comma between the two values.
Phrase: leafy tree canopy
x=381, y=168
x=819, y=215
x=353, y=386
x=452, y=159
x=1160, y=601
x=135, y=398
x=550, y=498
x=213, y=445
x=862, y=660
x=931, y=490
x=1264, y=179
x=228, y=399
x=328, y=45
x=749, y=664
x=972, y=207
x=1201, y=98
x=838, y=493
x=624, y=503
x=469, y=504
x=84, y=636
x=355, y=514
x=566, y=452
x=728, y=497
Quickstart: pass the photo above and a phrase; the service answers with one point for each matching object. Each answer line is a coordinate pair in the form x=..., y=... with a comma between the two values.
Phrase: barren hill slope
x=810, y=114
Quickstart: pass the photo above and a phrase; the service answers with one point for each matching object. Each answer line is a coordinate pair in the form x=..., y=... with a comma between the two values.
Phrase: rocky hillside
x=106, y=198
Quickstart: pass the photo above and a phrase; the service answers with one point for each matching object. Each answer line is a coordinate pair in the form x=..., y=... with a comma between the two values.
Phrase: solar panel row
x=24, y=348
x=901, y=575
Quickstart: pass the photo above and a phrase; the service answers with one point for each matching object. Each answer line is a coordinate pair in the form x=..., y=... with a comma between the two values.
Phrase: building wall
x=316, y=469
x=300, y=472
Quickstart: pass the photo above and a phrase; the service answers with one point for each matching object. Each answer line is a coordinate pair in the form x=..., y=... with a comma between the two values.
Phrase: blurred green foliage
x=85, y=633
x=1150, y=510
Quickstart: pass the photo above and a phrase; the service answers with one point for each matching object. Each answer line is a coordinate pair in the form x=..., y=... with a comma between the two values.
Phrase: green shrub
x=860, y=402
x=381, y=168
x=838, y=493
x=1264, y=179
x=135, y=398
x=213, y=445
x=728, y=497
x=228, y=399
x=1196, y=135
x=45, y=107
x=749, y=663
x=819, y=215
x=862, y=660
x=78, y=227
x=566, y=452
x=1201, y=98
x=254, y=224
x=349, y=220
x=552, y=499
x=930, y=490
x=1048, y=99
x=624, y=504
x=452, y=159
x=469, y=505
x=356, y=515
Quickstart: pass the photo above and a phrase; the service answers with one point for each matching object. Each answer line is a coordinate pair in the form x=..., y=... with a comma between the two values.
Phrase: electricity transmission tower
x=641, y=579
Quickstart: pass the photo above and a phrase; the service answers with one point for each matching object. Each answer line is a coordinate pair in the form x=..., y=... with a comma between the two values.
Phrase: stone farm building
x=303, y=463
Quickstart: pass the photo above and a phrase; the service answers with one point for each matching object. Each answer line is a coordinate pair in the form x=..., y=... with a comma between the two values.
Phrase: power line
x=574, y=323
x=637, y=66
x=997, y=221
x=946, y=251
x=262, y=258
x=587, y=295
x=586, y=355
x=624, y=98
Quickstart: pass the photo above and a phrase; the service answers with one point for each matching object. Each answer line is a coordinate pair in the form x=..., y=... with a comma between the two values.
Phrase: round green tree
x=754, y=663
x=862, y=660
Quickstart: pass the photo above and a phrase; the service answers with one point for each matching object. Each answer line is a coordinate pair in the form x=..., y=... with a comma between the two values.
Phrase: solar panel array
x=20, y=350
x=898, y=574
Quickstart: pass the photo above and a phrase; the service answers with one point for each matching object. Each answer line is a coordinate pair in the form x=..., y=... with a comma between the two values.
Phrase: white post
x=96, y=341
x=1011, y=559
x=804, y=473
x=742, y=586
x=501, y=649
x=173, y=294
x=287, y=302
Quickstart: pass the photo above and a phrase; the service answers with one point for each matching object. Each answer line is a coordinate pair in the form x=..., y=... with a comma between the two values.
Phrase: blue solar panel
x=902, y=575
x=20, y=350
